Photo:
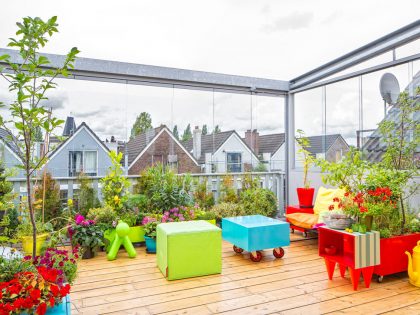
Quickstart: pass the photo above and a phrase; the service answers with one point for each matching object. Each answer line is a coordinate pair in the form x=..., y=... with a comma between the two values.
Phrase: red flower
x=54, y=290
x=336, y=199
x=35, y=294
x=65, y=290
x=346, y=194
x=331, y=207
x=52, y=301
x=41, y=309
x=363, y=209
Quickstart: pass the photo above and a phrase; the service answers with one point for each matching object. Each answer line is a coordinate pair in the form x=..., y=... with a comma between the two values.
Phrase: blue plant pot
x=150, y=244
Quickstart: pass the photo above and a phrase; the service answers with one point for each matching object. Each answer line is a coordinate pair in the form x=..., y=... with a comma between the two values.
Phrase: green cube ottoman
x=188, y=249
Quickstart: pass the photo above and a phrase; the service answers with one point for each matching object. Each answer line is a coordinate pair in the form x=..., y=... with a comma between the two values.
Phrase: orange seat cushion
x=303, y=220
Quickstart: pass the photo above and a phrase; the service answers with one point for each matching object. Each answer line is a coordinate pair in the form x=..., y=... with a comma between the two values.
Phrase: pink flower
x=79, y=219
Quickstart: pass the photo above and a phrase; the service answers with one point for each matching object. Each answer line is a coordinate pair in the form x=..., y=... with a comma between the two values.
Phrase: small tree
x=88, y=196
x=142, y=124
x=47, y=198
x=187, y=135
x=114, y=184
x=176, y=132
x=217, y=129
x=31, y=79
x=401, y=138
x=308, y=159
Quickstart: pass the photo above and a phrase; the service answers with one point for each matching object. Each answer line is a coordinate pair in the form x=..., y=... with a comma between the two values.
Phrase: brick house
x=159, y=145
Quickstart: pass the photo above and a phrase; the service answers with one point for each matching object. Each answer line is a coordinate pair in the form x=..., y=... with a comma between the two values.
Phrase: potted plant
x=87, y=234
x=305, y=193
x=398, y=226
x=150, y=225
x=24, y=232
x=35, y=291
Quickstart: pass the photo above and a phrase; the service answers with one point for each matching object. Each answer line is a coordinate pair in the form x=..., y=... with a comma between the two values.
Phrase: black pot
x=88, y=253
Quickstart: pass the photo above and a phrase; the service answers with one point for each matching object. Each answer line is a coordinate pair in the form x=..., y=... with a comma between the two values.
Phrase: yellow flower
x=19, y=218
x=116, y=199
x=70, y=202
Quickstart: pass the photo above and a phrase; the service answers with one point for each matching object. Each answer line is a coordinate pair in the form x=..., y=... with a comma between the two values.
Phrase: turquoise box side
x=256, y=232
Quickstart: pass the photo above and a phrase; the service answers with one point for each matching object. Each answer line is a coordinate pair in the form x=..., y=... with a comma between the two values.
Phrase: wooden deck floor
x=295, y=284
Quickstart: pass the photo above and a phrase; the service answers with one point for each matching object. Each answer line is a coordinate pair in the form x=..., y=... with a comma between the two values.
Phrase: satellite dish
x=390, y=88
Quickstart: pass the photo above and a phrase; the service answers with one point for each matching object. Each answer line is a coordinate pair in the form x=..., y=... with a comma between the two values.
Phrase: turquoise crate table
x=254, y=233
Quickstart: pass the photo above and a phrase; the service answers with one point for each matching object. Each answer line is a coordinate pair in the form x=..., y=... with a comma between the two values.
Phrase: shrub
x=105, y=216
x=164, y=189
x=259, y=201
x=227, y=192
x=115, y=185
x=48, y=202
x=202, y=197
x=88, y=196
x=204, y=215
x=227, y=209
x=136, y=202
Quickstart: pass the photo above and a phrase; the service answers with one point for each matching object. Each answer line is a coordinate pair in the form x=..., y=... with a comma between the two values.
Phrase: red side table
x=358, y=252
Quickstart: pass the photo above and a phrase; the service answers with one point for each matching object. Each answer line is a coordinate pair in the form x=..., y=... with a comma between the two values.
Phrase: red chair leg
x=355, y=276
x=367, y=275
x=342, y=270
x=330, y=267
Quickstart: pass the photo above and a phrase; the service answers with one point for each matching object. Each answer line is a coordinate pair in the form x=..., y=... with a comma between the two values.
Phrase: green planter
x=136, y=235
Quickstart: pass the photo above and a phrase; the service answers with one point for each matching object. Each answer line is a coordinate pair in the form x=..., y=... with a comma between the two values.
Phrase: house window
x=83, y=161
x=234, y=162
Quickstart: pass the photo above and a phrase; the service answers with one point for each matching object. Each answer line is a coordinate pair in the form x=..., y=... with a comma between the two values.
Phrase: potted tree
x=305, y=193
x=31, y=77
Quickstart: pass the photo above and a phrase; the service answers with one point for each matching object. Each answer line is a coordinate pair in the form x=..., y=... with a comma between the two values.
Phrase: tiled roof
x=270, y=143
x=321, y=144
x=7, y=138
x=209, y=143
x=137, y=144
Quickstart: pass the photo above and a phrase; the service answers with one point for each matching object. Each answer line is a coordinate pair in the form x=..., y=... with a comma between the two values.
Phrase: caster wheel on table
x=292, y=231
x=305, y=234
x=237, y=250
x=257, y=257
x=278, y=252
x=380, y=279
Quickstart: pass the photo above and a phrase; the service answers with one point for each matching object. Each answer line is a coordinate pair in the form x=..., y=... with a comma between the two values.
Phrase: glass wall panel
x=374, y=107
x=268, y=136
x=309, y=117
x=342, y=120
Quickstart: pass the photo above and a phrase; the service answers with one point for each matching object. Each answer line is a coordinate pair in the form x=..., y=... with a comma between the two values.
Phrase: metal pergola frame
x=129, y=73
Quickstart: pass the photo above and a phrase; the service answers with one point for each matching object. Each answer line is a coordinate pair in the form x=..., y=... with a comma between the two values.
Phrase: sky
x=268, y=38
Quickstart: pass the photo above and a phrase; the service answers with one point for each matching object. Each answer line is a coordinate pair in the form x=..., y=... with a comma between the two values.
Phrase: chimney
x=197, y=142
x=252, y=139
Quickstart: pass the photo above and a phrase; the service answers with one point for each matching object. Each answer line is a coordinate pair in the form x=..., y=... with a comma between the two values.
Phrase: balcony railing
x=274, y=181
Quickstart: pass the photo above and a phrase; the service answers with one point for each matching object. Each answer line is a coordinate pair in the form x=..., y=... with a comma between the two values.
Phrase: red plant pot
x=393, y=257
x=305, y=196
